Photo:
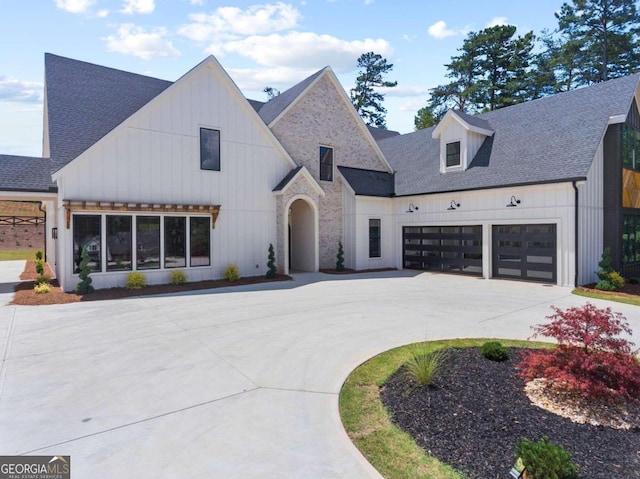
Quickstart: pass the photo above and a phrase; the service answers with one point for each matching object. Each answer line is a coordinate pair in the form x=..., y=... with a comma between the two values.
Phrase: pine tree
x=365, y=97
x=424, y=118
x=603, y=37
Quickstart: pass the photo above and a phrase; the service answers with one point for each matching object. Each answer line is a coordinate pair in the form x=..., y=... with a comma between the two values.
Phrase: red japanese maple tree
x=590, y=359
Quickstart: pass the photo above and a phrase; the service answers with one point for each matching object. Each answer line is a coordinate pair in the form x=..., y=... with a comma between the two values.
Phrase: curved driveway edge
x=240, y=382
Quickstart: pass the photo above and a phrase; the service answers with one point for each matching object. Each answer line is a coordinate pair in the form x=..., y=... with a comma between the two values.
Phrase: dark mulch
x=25, y=295
x=627, y=290
x=477, y=413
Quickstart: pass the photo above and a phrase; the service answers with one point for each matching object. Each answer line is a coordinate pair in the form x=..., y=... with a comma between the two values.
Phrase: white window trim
x=444, y=155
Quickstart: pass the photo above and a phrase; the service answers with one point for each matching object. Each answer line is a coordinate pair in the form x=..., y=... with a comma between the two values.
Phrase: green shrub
x=231, y=273
x=178, y=277
x=605, y=285
x=39, y=266
x=39, y=255
x=425, y=365
x=494, y=351
x=545, y=460
x=271, y=263
x=84, y=286
x=42, y=288
x=136, y=280
x=340, y=262
x=606, y=264
x=42, y=278
x=616, y=280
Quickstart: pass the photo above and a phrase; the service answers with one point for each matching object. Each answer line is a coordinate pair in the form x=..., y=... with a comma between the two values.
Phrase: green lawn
x=609, y=297
x=391, y=451
x=16, y=254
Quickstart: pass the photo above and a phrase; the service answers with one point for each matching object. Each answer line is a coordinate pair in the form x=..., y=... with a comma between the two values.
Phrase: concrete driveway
x=240, y=382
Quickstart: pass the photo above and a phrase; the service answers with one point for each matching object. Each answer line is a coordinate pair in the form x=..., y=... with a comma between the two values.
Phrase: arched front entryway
x=302, y=236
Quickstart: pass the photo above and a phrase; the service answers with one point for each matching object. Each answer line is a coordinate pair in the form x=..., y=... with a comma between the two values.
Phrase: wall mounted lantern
x=514, y=202
x=54, y=233
x=453, y=205
x=412, y=208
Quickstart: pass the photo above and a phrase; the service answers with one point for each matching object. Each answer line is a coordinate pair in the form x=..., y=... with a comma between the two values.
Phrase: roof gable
x=87, y=101
x=468, y=122
x=293, y=176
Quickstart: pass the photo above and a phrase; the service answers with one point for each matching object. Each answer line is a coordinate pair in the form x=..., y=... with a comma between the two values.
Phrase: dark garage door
x=455, y=249
x=525, y=252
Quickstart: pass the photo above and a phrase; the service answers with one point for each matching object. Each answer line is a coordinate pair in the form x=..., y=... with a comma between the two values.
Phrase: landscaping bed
x=25, y=295
x=477, y=412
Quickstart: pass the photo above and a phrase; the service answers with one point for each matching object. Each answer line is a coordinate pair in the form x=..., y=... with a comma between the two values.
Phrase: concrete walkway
x=236, y=383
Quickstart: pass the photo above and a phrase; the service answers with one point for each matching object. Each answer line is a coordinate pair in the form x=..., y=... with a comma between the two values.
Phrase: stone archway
x=302, y=236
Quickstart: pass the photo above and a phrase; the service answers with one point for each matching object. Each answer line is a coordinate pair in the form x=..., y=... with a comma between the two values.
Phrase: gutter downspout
x=575, y=222
x=41, y=203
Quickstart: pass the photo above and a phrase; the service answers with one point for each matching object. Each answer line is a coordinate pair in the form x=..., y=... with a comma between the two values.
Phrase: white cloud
x=74, y=6
x=197, y=2
x=368, y=2
x=102, y=13
x=229, y=22
x=303, y=50
x=439, y=30
x=412, y=105
x=140, y=42
x=494, y=22
x=406, y=91
x=138, y=6
x=15, y=90
x=277, y=77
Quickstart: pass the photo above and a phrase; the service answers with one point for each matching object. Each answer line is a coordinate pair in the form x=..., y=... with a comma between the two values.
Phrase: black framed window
x=453, y=154
x=175, y=241
x=148, y=242
x=630, y=239
x=209, y=149
x=374, y=238
x=326, y=163
x=118, y=243
x=87, y=234
x=200, y=241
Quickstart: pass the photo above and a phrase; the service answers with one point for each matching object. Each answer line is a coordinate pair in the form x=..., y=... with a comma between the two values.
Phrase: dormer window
x=453, y=154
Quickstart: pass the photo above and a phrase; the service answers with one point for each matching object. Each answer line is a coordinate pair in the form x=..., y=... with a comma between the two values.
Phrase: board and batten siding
x=154, y=156
x=366, y=208
x=539, y=204
x=470, y=143
x=591, y=220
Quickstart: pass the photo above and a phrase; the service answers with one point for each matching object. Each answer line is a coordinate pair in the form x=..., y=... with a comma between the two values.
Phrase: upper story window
x=326, y=163
x=209, y=149
x=453, y=154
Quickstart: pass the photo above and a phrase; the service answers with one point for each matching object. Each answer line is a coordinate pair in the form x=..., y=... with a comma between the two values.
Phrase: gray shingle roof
x=280, y=186
x=87, y=101
x=25, y=173
x=546, y=140
x=381, y=133
x=277, y=105
x=368, y=182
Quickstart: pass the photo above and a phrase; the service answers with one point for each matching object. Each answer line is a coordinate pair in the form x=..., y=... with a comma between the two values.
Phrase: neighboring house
x=151, y=175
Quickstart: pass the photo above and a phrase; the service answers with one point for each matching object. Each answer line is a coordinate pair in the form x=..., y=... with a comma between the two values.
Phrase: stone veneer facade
x=321, y=118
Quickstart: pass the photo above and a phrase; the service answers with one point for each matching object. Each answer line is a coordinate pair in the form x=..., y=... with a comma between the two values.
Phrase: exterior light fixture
x=412, y=208
x=453, y=205
x=54, y=233
x=514, y=202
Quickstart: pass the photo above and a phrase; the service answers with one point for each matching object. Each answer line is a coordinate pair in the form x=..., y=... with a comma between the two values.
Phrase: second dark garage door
x=525, y=252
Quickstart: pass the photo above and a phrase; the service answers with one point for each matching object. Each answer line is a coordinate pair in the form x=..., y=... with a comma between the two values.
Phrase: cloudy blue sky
x=259, y=43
